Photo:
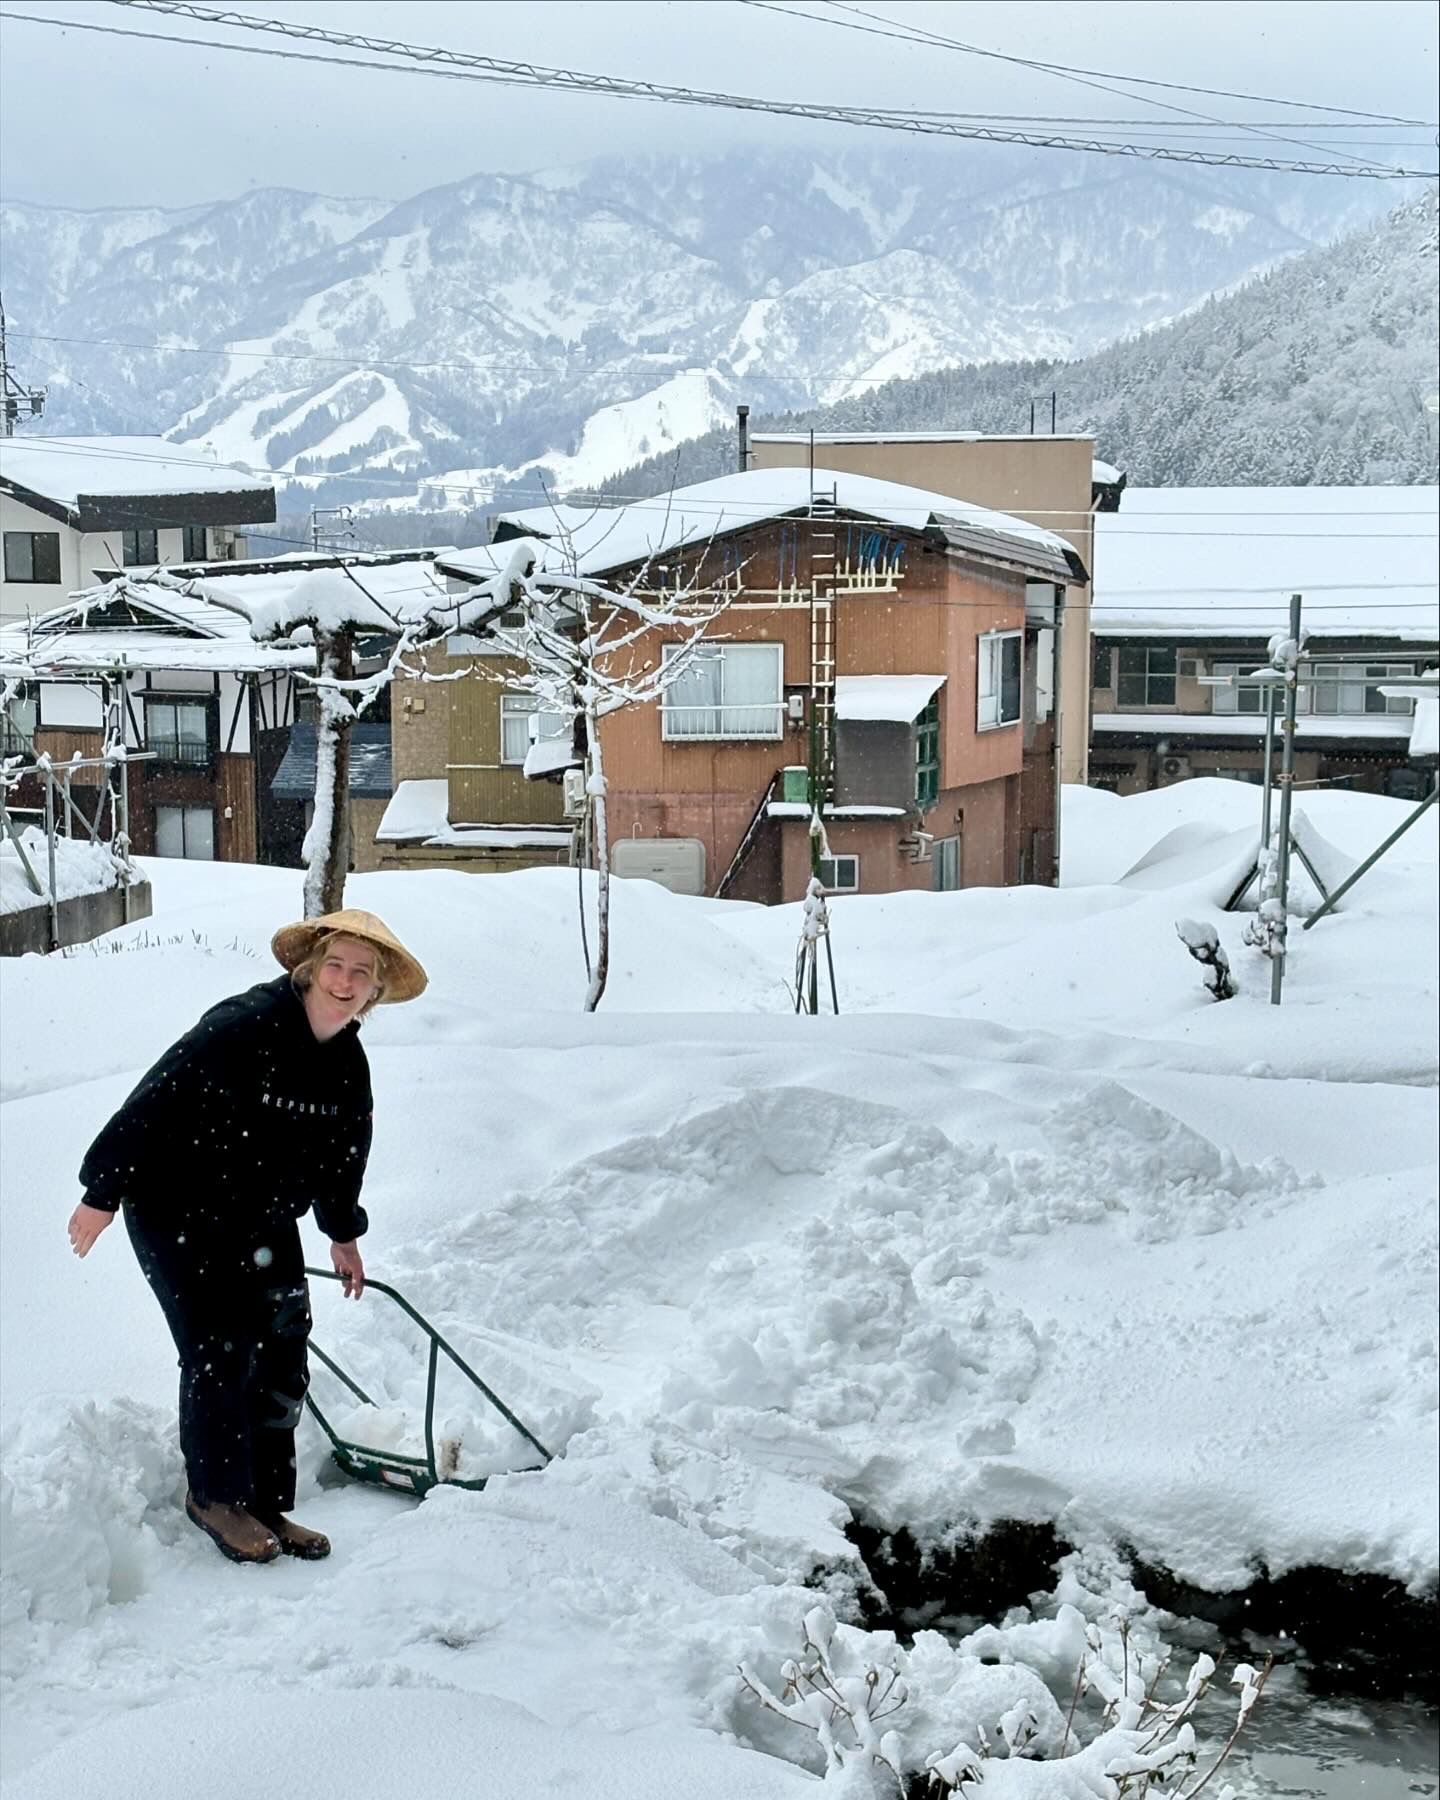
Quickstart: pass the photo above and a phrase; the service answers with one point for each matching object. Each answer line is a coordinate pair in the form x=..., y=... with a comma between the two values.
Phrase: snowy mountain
x=578, y=319
x=1322, y=371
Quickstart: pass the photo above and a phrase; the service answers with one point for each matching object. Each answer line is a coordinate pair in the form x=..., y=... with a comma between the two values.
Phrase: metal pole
x=1269, y=765
x=1057, y=702
x=54, y=904
x=1374, y=857
x=1287, y=794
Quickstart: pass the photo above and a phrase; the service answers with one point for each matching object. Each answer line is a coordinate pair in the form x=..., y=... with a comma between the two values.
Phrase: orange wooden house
x=886, y=651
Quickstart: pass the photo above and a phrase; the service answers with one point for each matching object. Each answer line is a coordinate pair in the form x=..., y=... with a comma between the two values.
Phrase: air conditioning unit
x=573, y=789
x=1174, y=768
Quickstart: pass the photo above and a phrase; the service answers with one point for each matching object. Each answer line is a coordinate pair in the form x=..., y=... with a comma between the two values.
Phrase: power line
x=1183, y=87
x=466, y=65
x=920, y=35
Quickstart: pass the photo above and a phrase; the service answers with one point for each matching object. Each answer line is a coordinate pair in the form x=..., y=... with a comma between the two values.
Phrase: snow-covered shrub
x=1203, y=943
x=941, y=1719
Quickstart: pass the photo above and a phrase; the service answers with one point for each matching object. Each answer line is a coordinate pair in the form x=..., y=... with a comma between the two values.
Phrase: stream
x=1304, y=1746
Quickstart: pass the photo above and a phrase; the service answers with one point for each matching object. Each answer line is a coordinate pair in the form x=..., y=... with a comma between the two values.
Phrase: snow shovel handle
x=439, y=1342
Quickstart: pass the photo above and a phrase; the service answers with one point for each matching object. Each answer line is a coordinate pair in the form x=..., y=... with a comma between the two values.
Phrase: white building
x=1191, y=584
x=74, y=511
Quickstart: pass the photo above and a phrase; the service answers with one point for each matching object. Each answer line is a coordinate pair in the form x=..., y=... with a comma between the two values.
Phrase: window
x=927, y=755
x=32, y=556
x=1146, y=678
x=187, y=831
x=945, y=857
x=999, y=679
x=840, y=874
x=178, y=731
x=1239, y=699
x=1353, y=689
x=195, y=544
x=727, y=691
x=140, y=548
x=516, y=712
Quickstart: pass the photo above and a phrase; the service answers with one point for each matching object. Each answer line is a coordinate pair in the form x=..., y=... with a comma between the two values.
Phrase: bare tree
x=586, y=651
x=332, y=609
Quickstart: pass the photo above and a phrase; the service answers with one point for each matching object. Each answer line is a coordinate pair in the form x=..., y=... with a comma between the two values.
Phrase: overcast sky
x=91, y=121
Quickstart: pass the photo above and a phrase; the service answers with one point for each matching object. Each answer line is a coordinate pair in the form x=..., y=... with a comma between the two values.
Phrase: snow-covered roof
x=1207, y=562
x=542, y=521
x=186, y=632
x=1105, y=473
x=917, y=437
x=417, y=809
x=368, y=595
x=1328, y=725
x=623, y=536
x=418, y=814
x=68, y=470
x=898, y=698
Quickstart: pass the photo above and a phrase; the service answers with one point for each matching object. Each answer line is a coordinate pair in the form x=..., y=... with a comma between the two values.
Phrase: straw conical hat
x=404, y=978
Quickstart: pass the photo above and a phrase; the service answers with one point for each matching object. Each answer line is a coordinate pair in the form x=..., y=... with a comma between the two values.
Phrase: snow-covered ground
x=1034, y=1230
x=81, y=867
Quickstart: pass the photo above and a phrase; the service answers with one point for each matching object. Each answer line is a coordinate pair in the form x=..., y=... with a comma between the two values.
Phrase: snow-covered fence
x=68, y=857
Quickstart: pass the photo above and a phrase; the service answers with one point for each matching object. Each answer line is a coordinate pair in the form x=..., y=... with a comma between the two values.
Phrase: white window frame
x=1227, y=700
x=1328, y=697
x=723, y=721
x=989, y=680
x=521, y=709
x=835, y=885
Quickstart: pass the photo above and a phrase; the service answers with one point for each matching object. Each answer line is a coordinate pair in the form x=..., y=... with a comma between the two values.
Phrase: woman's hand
x=348, y=1266
x=86, y=1224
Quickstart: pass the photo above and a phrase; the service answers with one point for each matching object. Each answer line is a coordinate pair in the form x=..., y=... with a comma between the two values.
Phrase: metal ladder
x=823, y=508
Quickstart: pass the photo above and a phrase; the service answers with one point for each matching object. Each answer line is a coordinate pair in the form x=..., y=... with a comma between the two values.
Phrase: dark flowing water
x=1303, y=1746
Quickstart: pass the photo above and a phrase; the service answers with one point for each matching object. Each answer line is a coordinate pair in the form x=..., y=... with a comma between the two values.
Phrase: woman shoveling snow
x=258, y=1113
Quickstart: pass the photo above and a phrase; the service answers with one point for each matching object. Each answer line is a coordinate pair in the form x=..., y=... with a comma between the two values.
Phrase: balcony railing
x=695, y=724
x=190, y=753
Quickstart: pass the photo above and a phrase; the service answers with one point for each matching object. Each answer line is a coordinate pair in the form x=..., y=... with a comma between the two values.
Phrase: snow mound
x=88, y=1497
x=336, y=1744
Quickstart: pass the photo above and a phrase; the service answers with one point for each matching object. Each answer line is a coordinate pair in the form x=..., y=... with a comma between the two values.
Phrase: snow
x=81, y=867
x=1364, y=558
x=547, y=755
x=1034, y=1229
x=616, y=537
x=416, y=809
x=1425, y=729
x=899, y=698
x=66, y=468
x=1331, y=725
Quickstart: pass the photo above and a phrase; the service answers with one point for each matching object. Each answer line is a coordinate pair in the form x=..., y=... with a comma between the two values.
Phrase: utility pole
x=1290, y=663
x=13, y=396
x=332, y=537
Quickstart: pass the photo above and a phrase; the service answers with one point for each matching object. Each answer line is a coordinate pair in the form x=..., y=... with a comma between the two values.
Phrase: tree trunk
x=326, y=851
x=595, y=787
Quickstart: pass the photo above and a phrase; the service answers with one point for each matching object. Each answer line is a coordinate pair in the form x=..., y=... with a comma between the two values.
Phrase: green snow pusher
x=394, y=1468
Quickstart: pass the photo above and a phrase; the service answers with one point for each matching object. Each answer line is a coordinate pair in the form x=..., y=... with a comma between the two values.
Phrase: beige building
x=1050, y=480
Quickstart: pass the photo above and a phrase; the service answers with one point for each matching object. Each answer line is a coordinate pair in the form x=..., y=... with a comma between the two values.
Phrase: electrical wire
x=473, y=67
x=920, y=35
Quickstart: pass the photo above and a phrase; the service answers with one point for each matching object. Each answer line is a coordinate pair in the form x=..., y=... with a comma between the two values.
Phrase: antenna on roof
x=12, y=395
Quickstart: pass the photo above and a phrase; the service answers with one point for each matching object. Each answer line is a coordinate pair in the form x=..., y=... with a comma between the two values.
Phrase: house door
x=945, y=855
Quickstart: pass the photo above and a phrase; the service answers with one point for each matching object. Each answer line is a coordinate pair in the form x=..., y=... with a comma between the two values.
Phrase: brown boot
x=237, y=1533
x=297, y=1540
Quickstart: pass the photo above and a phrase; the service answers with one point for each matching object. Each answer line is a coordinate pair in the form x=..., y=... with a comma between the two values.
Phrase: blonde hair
x=304, y=972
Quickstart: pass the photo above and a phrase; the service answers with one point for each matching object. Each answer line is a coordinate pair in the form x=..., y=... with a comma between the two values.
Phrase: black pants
x=239, y=1312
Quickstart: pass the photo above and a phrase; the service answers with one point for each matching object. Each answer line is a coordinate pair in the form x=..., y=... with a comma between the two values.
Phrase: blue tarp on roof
x=371, y=775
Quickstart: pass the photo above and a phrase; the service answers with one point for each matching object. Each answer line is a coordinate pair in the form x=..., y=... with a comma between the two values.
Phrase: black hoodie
x=247, y=1119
